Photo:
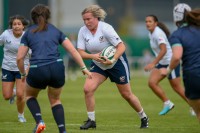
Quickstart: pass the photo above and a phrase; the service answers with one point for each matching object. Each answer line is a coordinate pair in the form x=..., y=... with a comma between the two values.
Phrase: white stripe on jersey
x=126, y=67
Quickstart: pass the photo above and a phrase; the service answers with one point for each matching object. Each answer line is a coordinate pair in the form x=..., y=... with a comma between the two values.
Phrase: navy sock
x=34, y=109
x=58, y=113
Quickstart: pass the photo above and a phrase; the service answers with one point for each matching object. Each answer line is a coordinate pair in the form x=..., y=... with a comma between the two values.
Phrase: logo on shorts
x=4, y=76
x=122, y=79
x=91, y=68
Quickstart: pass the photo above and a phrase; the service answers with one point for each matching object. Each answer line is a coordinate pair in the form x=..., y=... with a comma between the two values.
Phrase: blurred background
x=126, y=16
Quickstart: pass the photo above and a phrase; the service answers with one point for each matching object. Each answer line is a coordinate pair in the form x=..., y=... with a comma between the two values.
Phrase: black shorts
x=175, y=73
x=191, y=81
x=10, y=76
x=119, y=73
x=49, y=75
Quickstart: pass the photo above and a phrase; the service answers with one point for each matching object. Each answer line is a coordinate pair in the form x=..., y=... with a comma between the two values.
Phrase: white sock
x=14, y=91
x=20, y=114
x=142, y=114
x=91, y=115
x=167, y=102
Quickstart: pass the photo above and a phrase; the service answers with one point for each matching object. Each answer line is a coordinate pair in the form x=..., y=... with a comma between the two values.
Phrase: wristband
x=113, y=60
x=23, y=74
x=83, y=68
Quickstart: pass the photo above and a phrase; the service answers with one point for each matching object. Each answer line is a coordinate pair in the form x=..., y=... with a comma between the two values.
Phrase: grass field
x=113, y=114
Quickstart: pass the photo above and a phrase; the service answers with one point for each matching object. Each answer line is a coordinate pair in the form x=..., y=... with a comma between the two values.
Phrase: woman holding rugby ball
x=92, y=39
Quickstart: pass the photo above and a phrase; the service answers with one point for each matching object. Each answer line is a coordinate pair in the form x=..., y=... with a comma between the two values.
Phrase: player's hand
x=149, y=67
x=87, y=72
x=106, y=61
x=97, y=58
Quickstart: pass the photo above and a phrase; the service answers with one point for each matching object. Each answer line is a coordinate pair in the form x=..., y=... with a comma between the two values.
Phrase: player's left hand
x=106, y=61
x=88, y=73
x=149, y=67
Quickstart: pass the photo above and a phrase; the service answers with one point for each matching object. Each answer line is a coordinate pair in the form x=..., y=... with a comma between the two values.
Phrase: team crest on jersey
x=86, y=40
x=8, y=42
x=122, y=79
x=101, y=39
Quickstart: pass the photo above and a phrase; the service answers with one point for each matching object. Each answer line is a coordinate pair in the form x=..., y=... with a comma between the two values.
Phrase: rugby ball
x=108, y=52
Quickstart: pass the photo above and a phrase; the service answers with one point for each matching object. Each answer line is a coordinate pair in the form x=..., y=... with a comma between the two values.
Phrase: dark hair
x=24, y=21
x=161, y=25
x=40, y=15
x=193, y=17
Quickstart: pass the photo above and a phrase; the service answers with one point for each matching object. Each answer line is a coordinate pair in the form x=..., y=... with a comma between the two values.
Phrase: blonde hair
x=96, y=11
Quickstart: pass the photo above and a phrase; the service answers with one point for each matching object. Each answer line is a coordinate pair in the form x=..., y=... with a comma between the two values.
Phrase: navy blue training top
x=44, y=45
x=189, y=38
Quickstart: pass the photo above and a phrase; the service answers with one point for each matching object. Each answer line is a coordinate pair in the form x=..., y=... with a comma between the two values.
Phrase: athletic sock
x=91, y=115
x=142, y=114
x=20, y=114
x=167, y=102
x=14, y=91
x=58, y=113
x=34, y=108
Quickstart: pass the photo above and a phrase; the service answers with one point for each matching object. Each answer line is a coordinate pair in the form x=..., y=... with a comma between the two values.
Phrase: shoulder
x=158, y=30
x=104, y=25
x=176, y=33
x=8, y=32
x=51, y=26
x=83, y=30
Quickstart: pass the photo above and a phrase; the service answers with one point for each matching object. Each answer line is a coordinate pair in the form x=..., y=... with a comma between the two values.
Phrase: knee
x=21, y=97
x=126, y=96
x=88, y=89
x=152, y=84
x=7, y=96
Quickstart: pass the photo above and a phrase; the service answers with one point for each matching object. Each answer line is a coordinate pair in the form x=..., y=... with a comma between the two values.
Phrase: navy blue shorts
x=191, y=80
x=49, y=75
x=119, y=73
x=174, y=74
x=10, y=76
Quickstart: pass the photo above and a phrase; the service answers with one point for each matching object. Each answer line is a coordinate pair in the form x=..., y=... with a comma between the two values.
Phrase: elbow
x=122, y=47
x=176, y=58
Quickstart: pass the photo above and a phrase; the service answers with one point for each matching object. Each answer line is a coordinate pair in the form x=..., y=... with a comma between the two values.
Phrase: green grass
x=113, y=114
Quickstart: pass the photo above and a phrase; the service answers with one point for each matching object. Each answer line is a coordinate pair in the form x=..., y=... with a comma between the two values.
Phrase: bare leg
x=154, y=80
x=125, y=91
x=20, y=92
x=178, y=88
x=196, y=106
x=90, y=87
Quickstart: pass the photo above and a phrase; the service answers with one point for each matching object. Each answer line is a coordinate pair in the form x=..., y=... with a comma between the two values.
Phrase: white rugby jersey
x=11, y=45
x=159, y=37
x=104, y=37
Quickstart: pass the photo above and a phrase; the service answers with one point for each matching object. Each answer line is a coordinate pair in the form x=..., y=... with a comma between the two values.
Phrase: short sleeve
x=80, y=40
x=161, y=40
x=174, y=40
x=62, y=37
x=111, y=35
x=24, y=40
